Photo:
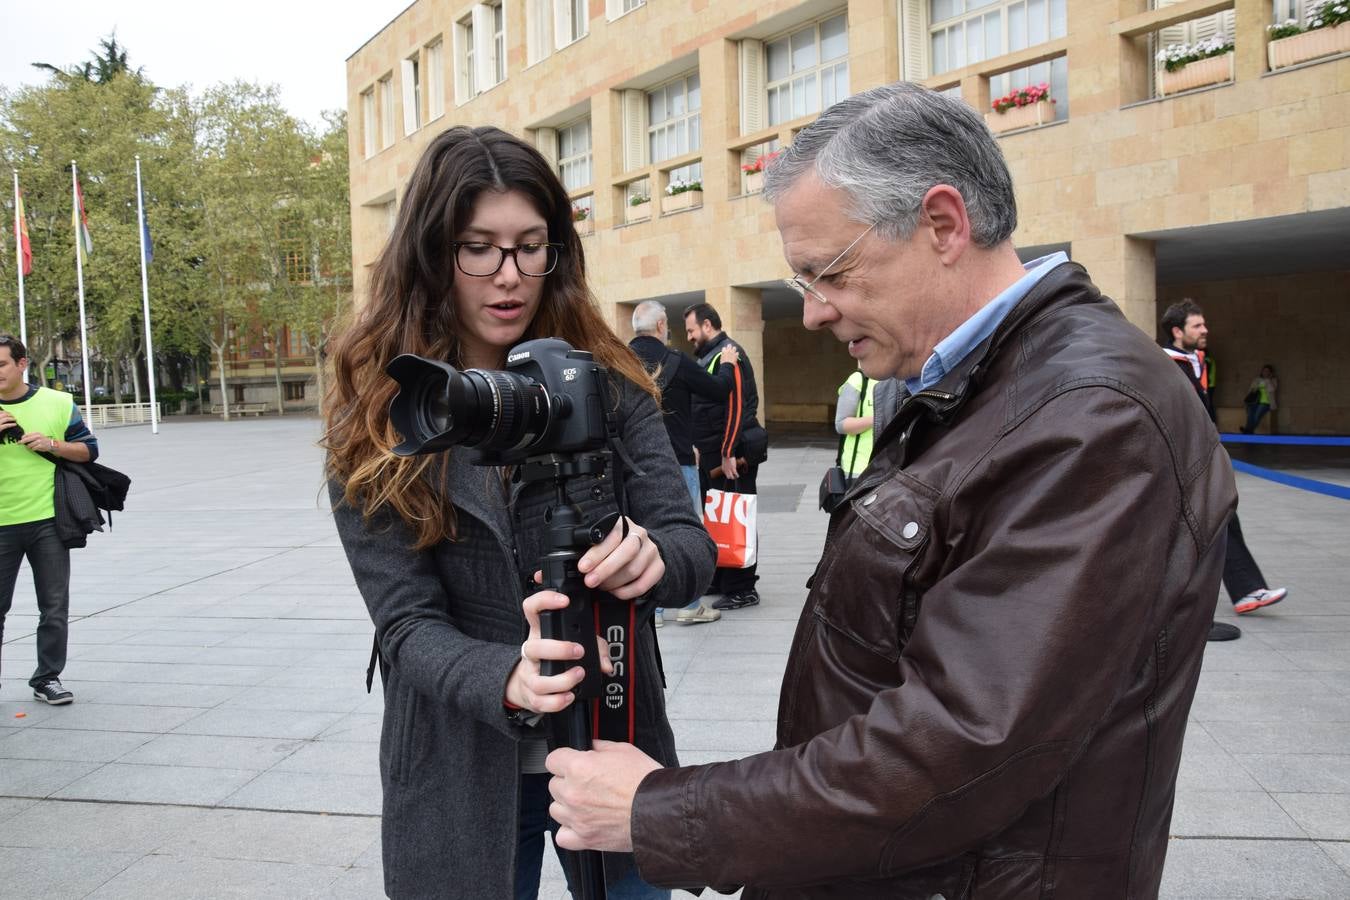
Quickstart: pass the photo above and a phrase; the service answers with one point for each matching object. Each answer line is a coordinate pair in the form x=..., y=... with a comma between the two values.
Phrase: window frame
x=588, y=157
x=811, y=73
x=385, y=107
x=435, y=78
x=370, y=123
x=1003, y=8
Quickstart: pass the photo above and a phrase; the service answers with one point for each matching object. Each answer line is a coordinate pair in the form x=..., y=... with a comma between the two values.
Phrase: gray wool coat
x=450, y=625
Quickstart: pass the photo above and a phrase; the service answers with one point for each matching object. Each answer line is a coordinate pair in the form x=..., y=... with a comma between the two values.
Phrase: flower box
x=682, y=200
x=585, y=227
x=1197, y=74
x=636, y=212
x=1029, y=116
x=754, y=182
x=1313, y=44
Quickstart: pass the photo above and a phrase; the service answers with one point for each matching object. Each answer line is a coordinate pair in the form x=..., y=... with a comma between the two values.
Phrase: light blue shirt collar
x=956, y=346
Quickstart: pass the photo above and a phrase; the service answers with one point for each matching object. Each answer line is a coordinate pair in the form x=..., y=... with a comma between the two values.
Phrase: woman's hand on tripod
x=625, y=566
x=527, y=688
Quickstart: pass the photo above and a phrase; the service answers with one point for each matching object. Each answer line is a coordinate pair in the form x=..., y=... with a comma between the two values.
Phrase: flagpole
x=145, y=305
x=18, y=257
x=79, y=281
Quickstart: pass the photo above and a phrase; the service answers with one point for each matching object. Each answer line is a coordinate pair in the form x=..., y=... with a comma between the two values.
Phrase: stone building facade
x=1228, y=181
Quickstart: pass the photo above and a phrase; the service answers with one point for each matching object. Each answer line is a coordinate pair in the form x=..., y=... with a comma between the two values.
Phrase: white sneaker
x=696, y=615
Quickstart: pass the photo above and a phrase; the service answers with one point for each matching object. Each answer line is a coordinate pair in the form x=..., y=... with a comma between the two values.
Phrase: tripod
x=567, y=538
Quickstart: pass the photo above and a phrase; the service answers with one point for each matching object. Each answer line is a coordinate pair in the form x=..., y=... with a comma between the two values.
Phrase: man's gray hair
x=885, y=148
x=648, y=316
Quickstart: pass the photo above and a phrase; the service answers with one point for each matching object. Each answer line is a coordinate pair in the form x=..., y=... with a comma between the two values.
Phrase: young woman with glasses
x=484, y=256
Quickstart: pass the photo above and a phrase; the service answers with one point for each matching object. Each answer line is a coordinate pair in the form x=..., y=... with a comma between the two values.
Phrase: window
x=498, y=43
x=574, y=154
x=297, y=262
x=295, y=390
x=807, y=70
x=965, y=32
x=435, y=79
x=368, y=123
x=674, y=125
x=578, y=18
x=296, y=346
x=616, y=8
x=466, y=85
x=412, y=95
x=238, y=393
x=386, y=86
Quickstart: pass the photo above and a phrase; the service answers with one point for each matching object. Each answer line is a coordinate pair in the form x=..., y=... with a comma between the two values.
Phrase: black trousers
x=728, y=581
x=1241, y=574
x=50, y=561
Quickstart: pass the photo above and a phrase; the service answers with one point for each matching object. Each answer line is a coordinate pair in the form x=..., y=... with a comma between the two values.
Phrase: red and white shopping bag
x=730, y=520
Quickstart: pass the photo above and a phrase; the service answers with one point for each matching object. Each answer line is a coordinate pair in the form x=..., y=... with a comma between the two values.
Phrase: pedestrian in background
x=37, y=427
x=1260, y=398
x=680, y=379
x=853, y=421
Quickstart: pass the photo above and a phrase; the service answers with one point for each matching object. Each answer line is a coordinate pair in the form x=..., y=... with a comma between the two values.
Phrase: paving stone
x=71, y=745
x=356, y=884
x=213, y=751
x=1231, y=815
x=1301, y=773
x=39, y=778
x=333, y=758
x=42, y=874
x=355, y=794
x=12, y=806
x=1325, y=817
x=326, y=840
x=189, y=785
x=236, y=722
x=1259, y=870
x=98, y=827
x=120, y=717
x=184, y=878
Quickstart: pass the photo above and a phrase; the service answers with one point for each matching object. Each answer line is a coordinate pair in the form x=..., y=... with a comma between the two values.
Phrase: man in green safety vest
x=37, y=426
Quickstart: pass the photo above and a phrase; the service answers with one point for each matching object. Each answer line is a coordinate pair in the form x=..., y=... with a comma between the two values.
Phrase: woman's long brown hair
x=411, y=310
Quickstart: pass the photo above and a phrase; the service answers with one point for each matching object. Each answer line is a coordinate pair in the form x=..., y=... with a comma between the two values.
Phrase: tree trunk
x=136, y=376
x=220, y=364
x=276, y=362
x=319, y=384
x=115, y=365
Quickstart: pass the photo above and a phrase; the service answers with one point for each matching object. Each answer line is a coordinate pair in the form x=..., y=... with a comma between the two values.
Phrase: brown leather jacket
x=988, y=688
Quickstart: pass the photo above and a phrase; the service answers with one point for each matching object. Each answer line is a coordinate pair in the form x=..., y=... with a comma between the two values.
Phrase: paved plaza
x=222, y=743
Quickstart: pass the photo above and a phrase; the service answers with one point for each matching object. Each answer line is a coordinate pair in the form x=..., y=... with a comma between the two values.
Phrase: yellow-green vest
x=28, y=479
x=853, y=465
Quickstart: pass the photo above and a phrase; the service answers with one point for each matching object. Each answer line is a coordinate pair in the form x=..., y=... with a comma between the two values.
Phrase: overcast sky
x=301, y=45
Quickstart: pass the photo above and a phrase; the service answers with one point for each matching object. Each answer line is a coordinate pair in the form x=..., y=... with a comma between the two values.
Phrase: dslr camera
x=549, y=399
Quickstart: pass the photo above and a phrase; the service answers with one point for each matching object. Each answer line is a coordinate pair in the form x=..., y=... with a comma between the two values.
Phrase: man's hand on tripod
x=526, y=687
x=593, y=794
x=626, y=567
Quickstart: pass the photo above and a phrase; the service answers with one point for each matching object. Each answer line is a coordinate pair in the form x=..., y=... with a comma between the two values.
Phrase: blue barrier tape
x=1304, y=484
x=1293, y=440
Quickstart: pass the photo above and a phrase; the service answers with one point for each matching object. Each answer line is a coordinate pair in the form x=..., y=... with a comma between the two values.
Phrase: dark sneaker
x=53, y=692
x=736, y=601
x=1222, y=631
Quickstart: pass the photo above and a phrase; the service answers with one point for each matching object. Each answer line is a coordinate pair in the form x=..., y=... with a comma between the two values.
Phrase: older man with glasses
x=990, y=680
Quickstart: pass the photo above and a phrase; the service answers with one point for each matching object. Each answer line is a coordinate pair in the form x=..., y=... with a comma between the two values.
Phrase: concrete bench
x=239, y=409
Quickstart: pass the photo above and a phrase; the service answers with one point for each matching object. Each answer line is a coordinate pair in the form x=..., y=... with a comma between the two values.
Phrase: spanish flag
x=21, y=229
x=80, y=222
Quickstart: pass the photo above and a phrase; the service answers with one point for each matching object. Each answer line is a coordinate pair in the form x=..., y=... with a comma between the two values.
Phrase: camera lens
x=438, y=407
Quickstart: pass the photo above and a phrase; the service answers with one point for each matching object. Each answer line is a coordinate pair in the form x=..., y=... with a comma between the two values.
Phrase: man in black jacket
x=730, y=441
x=1184, y=325
x=680, y=379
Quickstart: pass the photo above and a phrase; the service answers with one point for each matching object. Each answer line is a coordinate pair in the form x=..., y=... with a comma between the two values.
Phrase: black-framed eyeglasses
x=808, y=288
x=481, y=259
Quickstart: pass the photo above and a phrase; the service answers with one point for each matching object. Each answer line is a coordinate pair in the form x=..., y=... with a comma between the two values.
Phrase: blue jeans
x=50, y=562
x=1255, y=413
x=690, y=474
x=534, y=821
